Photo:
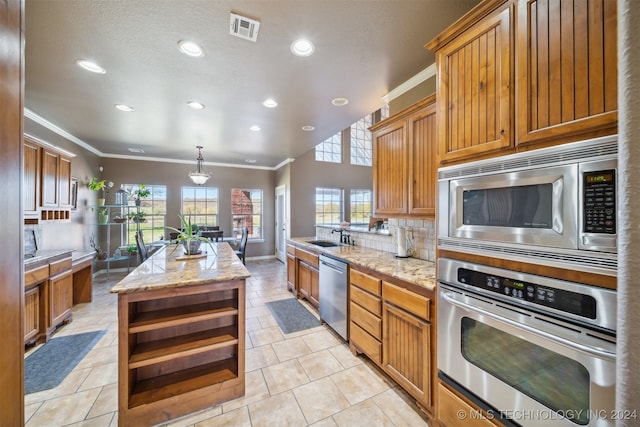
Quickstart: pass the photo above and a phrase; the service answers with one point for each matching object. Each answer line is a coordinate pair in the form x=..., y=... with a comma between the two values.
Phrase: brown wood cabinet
x=474, y=88
x=391, y=325
x=48, y=300
x=308, y=279
x=407, y=341
x=365, y=320
x=291, y=269
x=454, y=411
x=180, y=350
x=565, y=88
x=567, y=70
x=46, y=182
x=31, y=179
x=404, y=162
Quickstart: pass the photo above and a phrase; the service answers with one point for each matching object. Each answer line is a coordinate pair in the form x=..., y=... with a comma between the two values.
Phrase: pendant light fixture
x=198, y=177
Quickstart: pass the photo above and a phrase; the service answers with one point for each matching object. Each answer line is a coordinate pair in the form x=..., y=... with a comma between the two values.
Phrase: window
x=328, y=205
x=201, y=203
x=246, y=211
x=330, y=150
x=361, y=142
x=360, y=202
x=151, y=219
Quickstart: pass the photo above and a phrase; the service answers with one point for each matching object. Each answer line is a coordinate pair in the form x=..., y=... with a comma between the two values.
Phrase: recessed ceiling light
x=136, y=150
x=90, y=66
x=123, y=107
x=255, y=128
x=250, y=161
x=195, y=105
x=340, y=102
x=302, y=47
x=308, y=128
x=270, y=103
x=190, y=48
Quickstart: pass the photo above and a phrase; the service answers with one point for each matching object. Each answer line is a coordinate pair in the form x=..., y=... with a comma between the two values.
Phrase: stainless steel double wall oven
x=531, y=349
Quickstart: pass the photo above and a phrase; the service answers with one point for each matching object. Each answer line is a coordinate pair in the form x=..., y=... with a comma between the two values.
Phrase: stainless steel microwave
x=555, y=204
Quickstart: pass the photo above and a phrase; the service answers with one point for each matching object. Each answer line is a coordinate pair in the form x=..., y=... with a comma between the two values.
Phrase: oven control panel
x=559, y=299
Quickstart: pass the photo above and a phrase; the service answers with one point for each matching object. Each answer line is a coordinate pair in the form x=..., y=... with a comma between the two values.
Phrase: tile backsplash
x=423, y=237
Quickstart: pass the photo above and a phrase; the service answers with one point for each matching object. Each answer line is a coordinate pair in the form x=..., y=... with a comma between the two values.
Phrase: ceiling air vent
x=244, y=28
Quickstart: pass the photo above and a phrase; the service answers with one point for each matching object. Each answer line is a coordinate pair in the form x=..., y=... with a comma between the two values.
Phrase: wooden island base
x=181, y=347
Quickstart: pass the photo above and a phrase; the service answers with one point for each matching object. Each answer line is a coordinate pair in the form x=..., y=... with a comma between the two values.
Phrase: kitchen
x=621, y=381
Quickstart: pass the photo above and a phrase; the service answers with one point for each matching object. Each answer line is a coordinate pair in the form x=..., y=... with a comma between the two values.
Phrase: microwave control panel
x=599, y=201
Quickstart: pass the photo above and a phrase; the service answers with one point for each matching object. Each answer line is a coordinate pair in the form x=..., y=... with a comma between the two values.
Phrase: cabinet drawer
x=366, y=282
x=366, y=300
x=307, y=257
x=365, y=342
x=36, y=275
x=450, y=407
x=407, y=300
x=60, y=266
x=370, y=323
x=291, y=250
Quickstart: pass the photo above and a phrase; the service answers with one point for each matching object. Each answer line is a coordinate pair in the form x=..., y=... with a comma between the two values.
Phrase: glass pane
x=556, y=381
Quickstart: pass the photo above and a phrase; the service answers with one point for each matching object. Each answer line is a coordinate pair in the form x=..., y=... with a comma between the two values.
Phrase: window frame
x=214, y=201
x=236, y=229
x=333, y=214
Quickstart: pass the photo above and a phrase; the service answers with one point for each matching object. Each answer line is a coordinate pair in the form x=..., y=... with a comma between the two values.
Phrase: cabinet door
x=453, y=411
x=60, y=297
x=64, y=182
x=567, y=70
x=474, y=90
x=423, y=162
x=31, y=314
x=31, y=178
x=390, y=169
x=314, y=296
x=407, y=352
x=291, y=273
x=50, y=173
x=304, y=280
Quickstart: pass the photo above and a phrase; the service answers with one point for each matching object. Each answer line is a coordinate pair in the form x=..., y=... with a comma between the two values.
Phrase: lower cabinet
x=454, y=411
x=308, y=276
x=291, y=270
x=60, y=298
x=31, y=314
x=390, y=324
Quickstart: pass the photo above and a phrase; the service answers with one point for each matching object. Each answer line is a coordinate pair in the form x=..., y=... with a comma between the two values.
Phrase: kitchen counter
x=412, y=270
x=45, y=255
x=169, y=268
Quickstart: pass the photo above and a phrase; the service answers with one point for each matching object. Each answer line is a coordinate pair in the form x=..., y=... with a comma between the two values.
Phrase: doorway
x=281, y=226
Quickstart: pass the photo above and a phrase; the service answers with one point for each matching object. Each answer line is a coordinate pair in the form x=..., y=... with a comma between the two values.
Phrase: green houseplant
x=141, y=193
x=132, y=250
x=103, y=215
x=136, y=217
x=187, y=236
x=103, y=185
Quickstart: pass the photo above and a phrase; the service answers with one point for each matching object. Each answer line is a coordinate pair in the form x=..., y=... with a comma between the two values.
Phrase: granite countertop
x=166, y=269
x=44, y=255
x=413, y=270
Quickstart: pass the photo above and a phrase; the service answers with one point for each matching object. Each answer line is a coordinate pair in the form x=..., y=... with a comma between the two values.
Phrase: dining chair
x=243, y=244
x=142, y=248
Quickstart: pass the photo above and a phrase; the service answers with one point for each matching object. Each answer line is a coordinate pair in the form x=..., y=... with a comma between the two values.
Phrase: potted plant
x=103, y=215
x=132, y=250
x=141, y=193
x=137, y=217
x=187, y=236
x=100, y=254
x=103, y=185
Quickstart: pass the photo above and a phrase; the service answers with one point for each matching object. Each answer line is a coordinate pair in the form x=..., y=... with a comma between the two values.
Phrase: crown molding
x=414, y=81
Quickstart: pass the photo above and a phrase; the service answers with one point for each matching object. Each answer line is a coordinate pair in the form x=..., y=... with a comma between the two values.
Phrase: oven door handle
x=590, y=350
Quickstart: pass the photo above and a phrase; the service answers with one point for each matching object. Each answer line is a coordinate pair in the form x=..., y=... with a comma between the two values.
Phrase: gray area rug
x=292, y=316
x=46, y=367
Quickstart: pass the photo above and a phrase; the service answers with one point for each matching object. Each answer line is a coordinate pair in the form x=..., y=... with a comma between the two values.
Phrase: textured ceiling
x=363, y=49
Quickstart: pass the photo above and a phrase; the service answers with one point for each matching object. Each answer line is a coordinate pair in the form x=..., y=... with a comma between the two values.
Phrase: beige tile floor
x=299, y=379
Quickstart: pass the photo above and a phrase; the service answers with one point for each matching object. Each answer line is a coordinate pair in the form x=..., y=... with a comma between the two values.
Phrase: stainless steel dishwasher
x=333, y=294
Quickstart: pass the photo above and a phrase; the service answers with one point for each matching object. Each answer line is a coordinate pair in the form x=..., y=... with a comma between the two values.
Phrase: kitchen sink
x=324, y=243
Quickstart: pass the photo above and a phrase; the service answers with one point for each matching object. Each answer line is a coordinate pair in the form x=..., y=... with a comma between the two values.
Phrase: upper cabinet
x=567, y=70
x=474, y=88
x=404, y=162
x=552, y=62
x=46, y=183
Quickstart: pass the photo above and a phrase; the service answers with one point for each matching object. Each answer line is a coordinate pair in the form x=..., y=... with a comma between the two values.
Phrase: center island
x=181, y=334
